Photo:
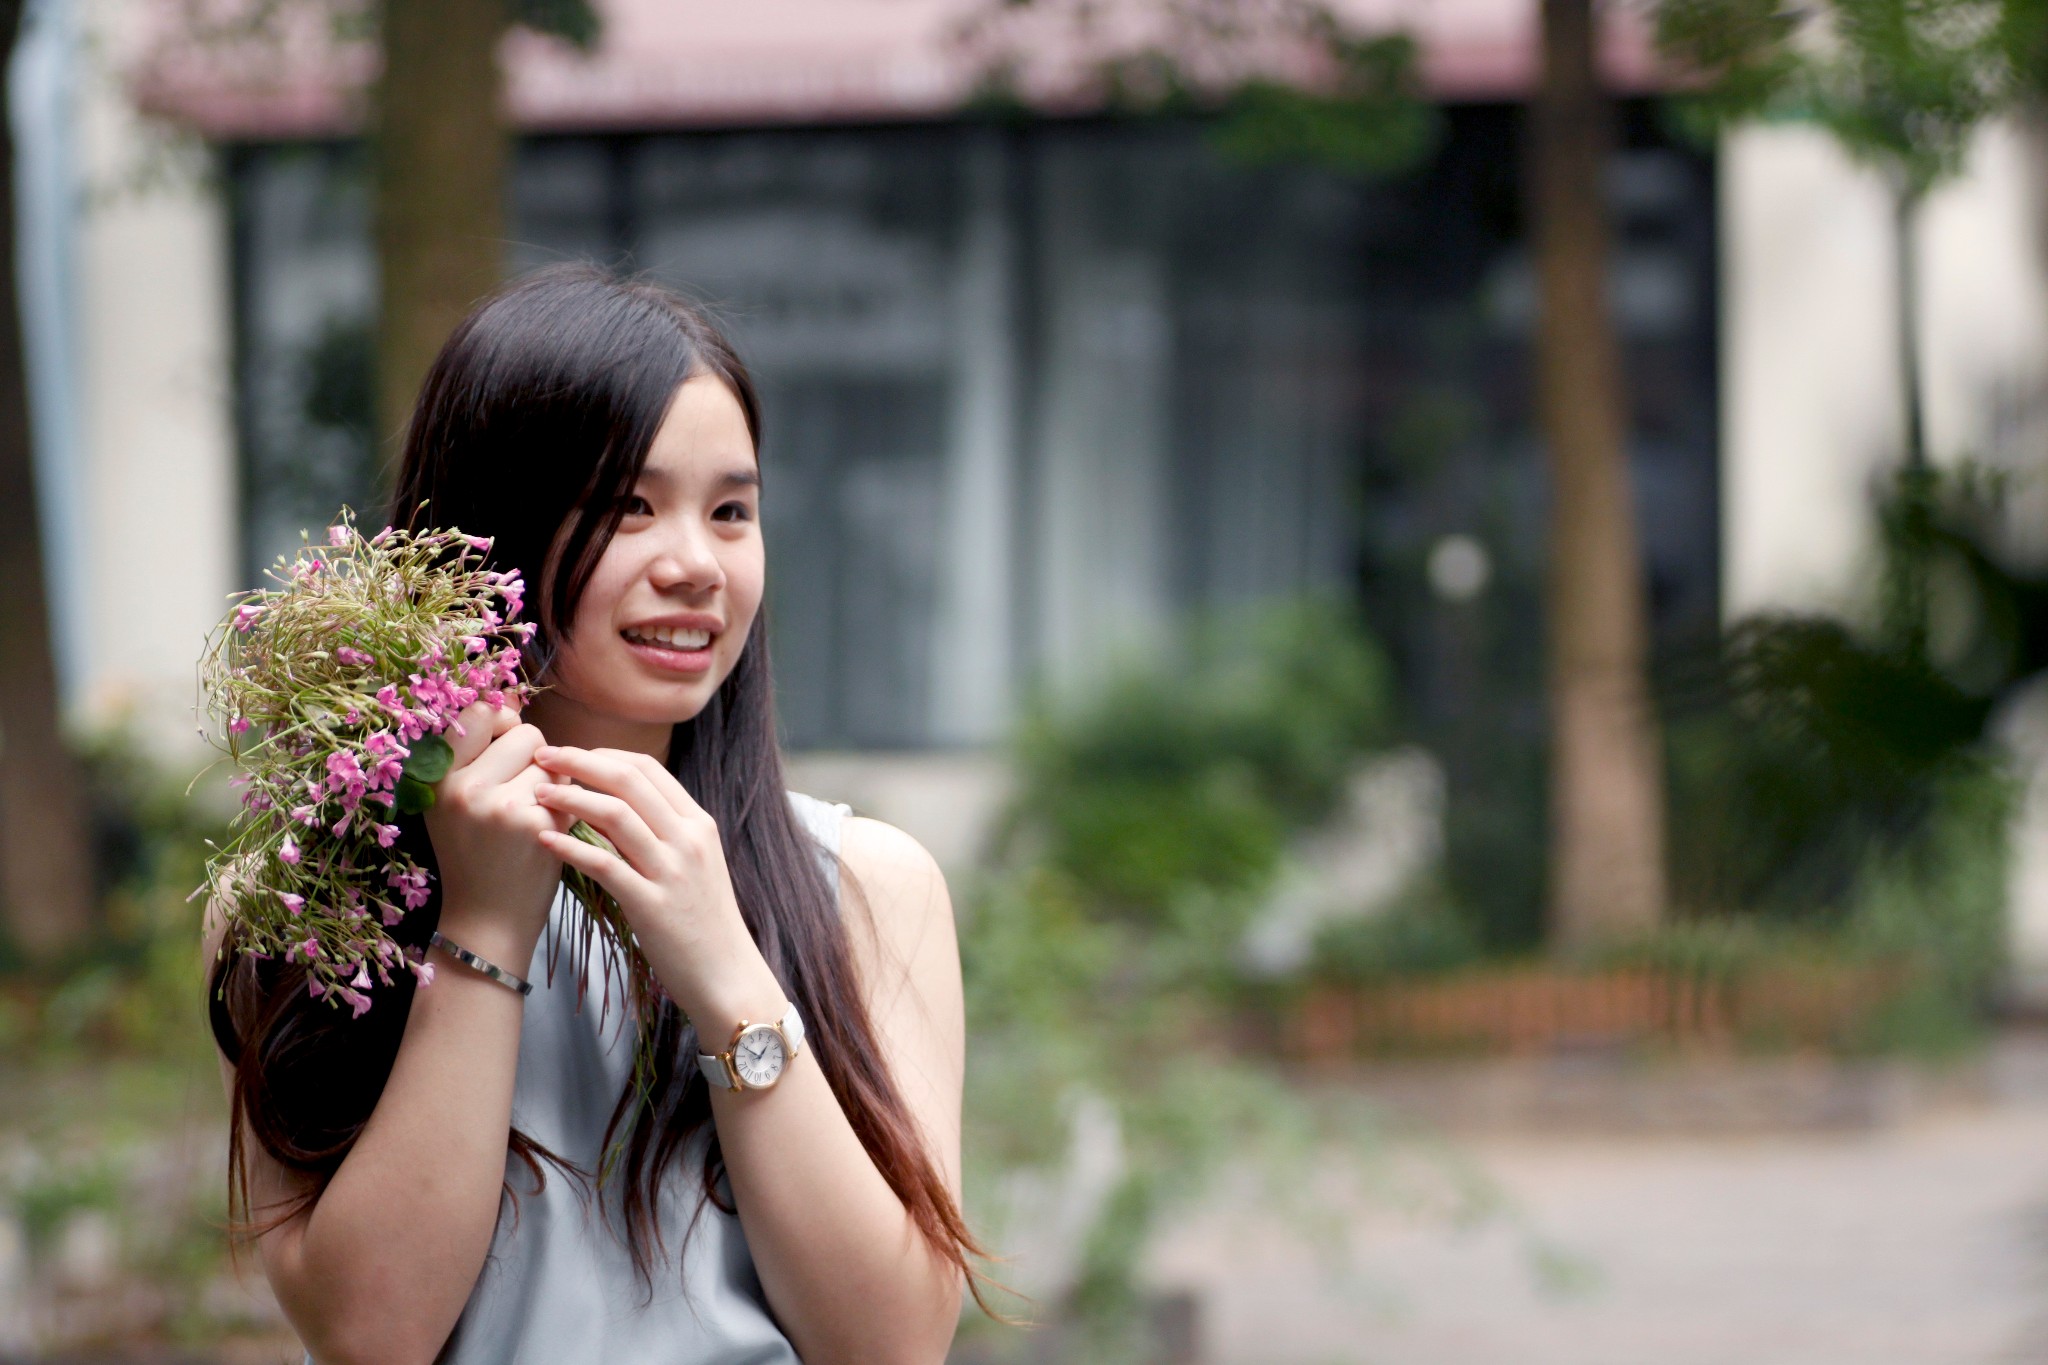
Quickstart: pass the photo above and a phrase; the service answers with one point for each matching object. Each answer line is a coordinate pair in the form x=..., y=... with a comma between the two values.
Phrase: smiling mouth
x=669, y=638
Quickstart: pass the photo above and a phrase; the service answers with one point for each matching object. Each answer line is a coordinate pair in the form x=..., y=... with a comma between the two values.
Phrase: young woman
x=471, y=1178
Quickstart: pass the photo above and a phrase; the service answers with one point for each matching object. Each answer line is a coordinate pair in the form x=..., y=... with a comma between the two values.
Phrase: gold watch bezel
x=731, y=1055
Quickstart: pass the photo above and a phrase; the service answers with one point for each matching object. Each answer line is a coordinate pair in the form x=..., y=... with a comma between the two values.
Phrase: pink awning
x=696, y=63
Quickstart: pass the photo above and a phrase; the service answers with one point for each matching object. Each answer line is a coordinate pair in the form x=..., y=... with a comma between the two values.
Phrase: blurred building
x=1034, y=388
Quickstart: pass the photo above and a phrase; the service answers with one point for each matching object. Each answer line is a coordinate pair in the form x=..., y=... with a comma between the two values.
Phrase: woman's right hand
x=497, y=881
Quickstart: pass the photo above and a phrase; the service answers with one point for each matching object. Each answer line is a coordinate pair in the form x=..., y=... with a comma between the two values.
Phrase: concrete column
x=972, y=645
x=1102, y=554
x=156, y=436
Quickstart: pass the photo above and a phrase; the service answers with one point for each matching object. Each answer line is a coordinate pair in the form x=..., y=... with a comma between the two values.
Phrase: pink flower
x=352, y=716
x=386, y=835
x=238, y=725
x=289, y=853
x=307, y=815
x=424, y=971
x=337, y=535
x=479, y=542
x=411, y=885
x=311, y=948
x=476, y=644
x=387, y=756
x=343, y=769
x=245, y=616
x=358, y=1003
x=362, y=977
x=295, y=904
x=345, y=775
x=389, y=913
x=314, y=988
x=348, y=654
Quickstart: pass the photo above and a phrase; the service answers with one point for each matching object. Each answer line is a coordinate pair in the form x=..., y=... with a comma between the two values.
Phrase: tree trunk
x=45, y=865
x=1906, y=280
x=1606, y=780
x=440, y=150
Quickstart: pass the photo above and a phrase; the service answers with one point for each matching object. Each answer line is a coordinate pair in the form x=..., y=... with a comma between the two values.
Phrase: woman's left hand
x=669, y=877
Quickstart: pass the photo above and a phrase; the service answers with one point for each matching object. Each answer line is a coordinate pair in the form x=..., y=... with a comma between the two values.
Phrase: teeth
x=671, y=636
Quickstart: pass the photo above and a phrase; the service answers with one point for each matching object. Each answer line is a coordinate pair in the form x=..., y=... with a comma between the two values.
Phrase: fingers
x=611, y=817
x=646, y=786
x=612, y=872
x=506, y=756
x=476, y=725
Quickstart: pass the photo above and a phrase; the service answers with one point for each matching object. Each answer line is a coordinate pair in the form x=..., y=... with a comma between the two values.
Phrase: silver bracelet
x=477, y=964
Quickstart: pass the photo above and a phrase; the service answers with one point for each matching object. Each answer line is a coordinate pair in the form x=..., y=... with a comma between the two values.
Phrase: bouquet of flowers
x=332, y=693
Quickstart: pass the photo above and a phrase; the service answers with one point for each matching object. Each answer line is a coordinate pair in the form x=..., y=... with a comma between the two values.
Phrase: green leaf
x=430, y=759
x=412, y=796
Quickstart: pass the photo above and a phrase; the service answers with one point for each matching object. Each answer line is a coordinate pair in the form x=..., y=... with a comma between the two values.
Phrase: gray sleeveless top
x=559, y=1285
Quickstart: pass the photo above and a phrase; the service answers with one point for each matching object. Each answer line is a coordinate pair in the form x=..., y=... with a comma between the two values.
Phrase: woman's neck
x=567, y=721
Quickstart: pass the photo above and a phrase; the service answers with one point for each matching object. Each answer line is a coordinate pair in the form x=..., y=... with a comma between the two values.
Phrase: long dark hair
x=532, y=428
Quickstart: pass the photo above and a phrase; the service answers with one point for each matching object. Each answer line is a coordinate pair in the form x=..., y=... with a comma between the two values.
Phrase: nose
x=688, y=562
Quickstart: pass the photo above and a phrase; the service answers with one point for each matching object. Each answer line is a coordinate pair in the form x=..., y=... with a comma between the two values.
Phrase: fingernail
x=544, y=751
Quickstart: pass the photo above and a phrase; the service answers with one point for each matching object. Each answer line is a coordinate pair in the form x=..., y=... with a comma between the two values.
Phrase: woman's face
x=662, y=621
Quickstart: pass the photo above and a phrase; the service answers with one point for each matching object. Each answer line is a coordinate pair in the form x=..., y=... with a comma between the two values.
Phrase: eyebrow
x=731, y=478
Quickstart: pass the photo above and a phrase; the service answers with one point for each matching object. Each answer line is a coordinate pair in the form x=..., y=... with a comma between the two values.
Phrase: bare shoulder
x=909, y=968
x=887, y=862
x=895, y=887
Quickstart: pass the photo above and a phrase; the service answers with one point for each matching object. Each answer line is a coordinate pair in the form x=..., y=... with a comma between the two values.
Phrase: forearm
x=386, y=1259
x=848, y=1274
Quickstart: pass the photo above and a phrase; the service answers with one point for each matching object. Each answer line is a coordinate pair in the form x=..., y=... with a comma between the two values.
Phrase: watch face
x=759, y=1057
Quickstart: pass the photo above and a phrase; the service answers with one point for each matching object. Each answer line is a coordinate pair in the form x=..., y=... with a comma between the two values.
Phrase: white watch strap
x=718, y=1074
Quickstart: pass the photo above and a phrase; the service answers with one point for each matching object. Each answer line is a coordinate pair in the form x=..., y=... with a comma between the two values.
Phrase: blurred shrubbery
x=1845, y=779
x=111, y=1112
x=1190, y=776
x=1101, y=950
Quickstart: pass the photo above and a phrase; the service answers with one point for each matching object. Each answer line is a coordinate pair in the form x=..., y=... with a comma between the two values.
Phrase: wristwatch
x=759, y=1054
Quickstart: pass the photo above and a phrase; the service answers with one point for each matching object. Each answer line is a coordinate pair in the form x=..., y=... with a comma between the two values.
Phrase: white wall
x=155, y=437
x=1810, y=406
x=1811, y=410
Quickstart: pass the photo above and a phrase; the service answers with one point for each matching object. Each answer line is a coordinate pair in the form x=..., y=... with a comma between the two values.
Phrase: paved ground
x=1924, y=1243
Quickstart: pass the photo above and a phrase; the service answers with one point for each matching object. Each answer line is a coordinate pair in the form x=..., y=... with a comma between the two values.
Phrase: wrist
x=504, y=945
x=754, y=997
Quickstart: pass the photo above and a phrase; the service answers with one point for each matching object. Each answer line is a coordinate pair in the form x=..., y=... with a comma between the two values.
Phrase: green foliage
x=1902, y=84
x=1373, y=120
x=1938, y=901
x=427, y=764
x=1847, y=779
x=1283, y=80
x=134, y=985
x=575, y=21
x=1099, y=954
x=1182, y=782
x=1424, y=935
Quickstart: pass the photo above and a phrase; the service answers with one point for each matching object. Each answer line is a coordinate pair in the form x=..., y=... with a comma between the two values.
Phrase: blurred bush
x=1189, y=776
x=1422, y=935
x=111, y=1114
x=1101, y=950
x=1846, y=777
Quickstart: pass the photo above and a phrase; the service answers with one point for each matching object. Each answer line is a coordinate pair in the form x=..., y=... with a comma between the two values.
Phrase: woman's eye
x=733, y=511
x=637, y=506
